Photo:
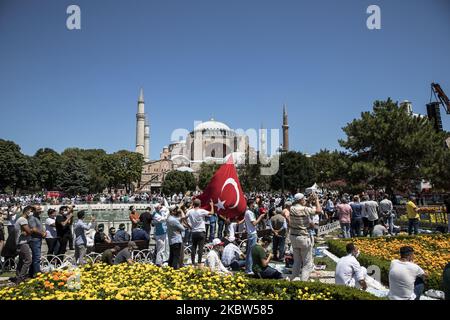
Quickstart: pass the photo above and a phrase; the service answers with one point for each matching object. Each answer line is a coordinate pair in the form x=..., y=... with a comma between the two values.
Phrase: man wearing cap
x=300, y=219
x=121, y=235
x=125, y=254
x=212, y=259
x=406, y=279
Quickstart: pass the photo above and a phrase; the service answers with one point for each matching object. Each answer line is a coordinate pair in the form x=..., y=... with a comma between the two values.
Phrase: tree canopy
x=391, y=147
x=178, y=181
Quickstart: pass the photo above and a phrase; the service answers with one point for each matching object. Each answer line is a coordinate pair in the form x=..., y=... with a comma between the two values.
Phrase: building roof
x=212, y=125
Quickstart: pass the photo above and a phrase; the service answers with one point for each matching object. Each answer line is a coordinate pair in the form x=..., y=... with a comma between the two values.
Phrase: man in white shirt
x=212, y=259
x=372, y=209
x=348, y=270
x=233, y=257
x=406, y=279
x=250, y=226
x=196, y=221
x=387, y=211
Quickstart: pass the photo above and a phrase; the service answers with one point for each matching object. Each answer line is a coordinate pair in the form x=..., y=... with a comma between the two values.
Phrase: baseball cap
x=217, y=242
x=299, y=196
x=132, y=244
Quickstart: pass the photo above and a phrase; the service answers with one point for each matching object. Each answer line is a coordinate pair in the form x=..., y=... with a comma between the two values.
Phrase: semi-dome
x=212, y=125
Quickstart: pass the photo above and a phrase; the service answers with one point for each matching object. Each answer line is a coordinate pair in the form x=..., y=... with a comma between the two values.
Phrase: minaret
x=285, y=130
x=140, y=124
x=263, y=142
x=146, y=141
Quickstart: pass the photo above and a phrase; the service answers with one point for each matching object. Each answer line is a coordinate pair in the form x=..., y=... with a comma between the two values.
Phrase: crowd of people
x=288, y=225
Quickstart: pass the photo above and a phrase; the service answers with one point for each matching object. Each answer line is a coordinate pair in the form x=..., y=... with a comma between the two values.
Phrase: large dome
x=212, y=125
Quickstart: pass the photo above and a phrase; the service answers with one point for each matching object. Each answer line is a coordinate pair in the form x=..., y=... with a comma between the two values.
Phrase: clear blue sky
x=238, y=60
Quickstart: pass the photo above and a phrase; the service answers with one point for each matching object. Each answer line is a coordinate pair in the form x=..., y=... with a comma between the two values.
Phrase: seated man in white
x=406, y=279
x=213, y=260
x=348, y=270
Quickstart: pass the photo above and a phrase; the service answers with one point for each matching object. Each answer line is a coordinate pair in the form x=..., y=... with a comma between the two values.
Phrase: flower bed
x=148, y=282
x=432, y=253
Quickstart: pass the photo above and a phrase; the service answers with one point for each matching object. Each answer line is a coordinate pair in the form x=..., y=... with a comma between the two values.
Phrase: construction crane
x=440, y=95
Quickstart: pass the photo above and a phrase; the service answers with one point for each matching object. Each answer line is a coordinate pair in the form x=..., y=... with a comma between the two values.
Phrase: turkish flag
x=226, y=192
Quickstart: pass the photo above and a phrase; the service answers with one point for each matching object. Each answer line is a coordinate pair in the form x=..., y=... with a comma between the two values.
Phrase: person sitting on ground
x=232, y=256
x=261, y=260
x=348, y=270
x=380, y=229
x=406, y=279
x=212, y=259
x=100, y=235
x=108, y=255
x=125, y=255
x=122, y=235
x=139, y=234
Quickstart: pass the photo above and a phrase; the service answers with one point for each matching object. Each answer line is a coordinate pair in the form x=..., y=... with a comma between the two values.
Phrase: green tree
x=206, y=172
x=17, y=170
x=298, y=171
x=391, y=147
x=250, y=175
x=178, y=181
x=125, y=169
x=331, y=166
x=48, y=167
x=74, y=178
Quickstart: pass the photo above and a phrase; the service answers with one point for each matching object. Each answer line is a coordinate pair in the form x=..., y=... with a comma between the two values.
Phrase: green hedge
x=337, y=247
x=336, y=292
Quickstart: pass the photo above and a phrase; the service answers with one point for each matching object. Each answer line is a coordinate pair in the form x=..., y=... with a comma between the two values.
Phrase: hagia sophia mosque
x=209, y=141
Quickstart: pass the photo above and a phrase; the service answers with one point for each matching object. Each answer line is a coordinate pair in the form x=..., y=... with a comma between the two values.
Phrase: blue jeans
x=413, y=226
x=390, y=221
x=356, y=227
x=187, y=237
x=35, y=246
x=251, y=242
x=221, y=224
x=345, y=230
x=278, y=247
x=419, y=287
x=212, y=231
x=237, y=265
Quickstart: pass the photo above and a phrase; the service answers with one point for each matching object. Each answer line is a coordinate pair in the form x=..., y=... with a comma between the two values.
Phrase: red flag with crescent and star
x=226, y=192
